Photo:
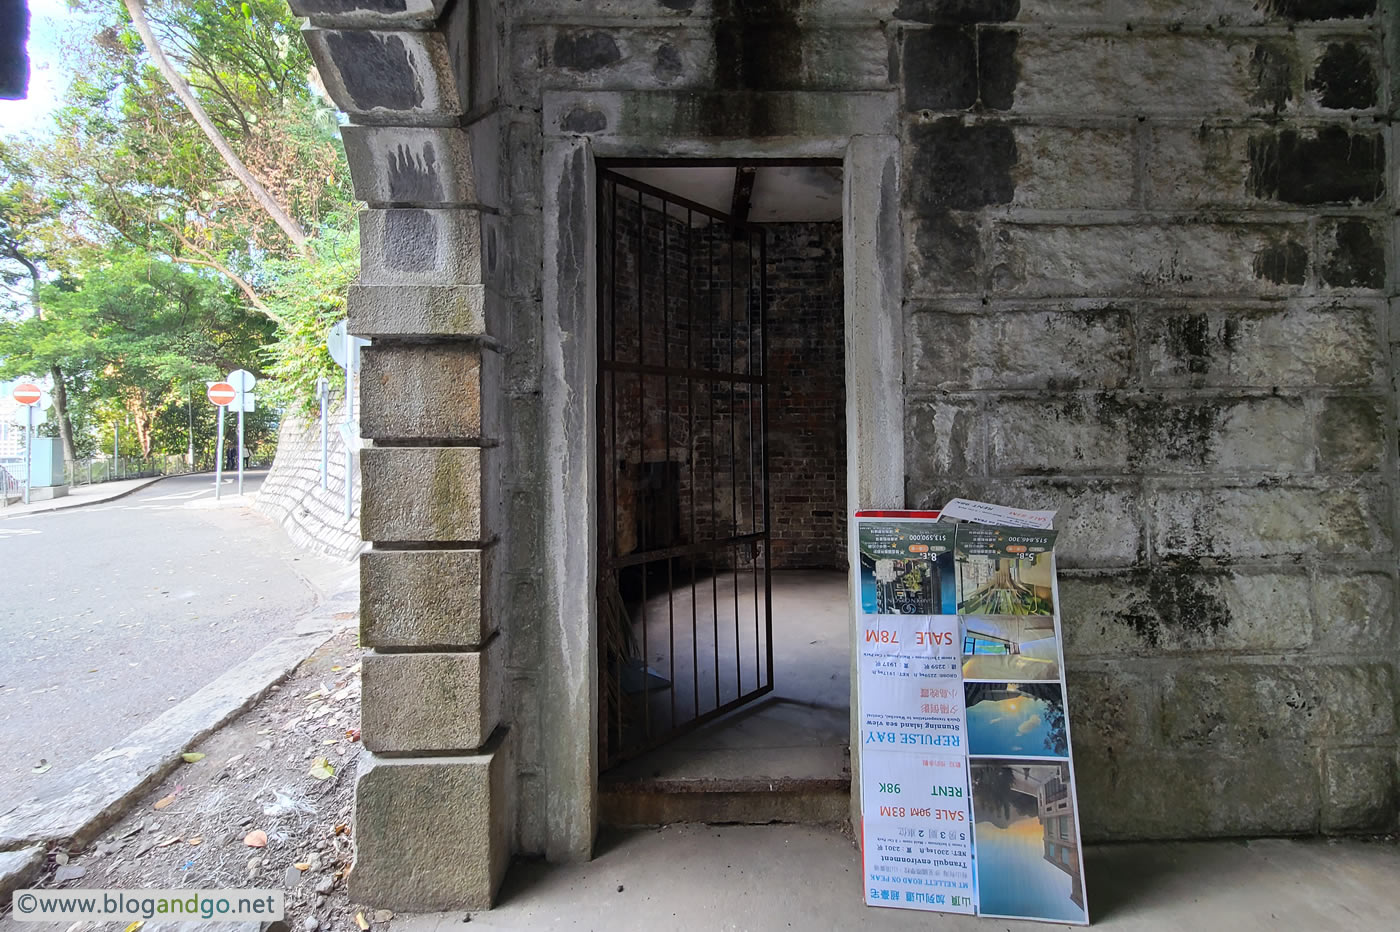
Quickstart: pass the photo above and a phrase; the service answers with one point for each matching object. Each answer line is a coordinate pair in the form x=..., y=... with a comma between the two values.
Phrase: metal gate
x=684, y=593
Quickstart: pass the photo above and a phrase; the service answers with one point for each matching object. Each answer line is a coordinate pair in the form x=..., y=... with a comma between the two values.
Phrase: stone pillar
x=432, y=802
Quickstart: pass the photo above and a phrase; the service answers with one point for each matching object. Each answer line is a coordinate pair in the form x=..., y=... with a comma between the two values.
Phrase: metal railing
x=11, y=488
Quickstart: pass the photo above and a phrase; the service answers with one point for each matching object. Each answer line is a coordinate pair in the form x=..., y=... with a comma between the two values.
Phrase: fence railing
x=11, y=488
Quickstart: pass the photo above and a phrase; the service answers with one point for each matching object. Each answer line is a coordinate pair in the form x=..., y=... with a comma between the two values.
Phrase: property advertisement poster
x=966, y=775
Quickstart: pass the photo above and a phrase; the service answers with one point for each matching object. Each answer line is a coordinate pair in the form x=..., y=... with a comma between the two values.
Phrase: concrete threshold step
x=743, y=801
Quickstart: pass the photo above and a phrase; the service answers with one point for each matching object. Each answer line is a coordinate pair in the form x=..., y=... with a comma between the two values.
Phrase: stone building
x=1131, y=259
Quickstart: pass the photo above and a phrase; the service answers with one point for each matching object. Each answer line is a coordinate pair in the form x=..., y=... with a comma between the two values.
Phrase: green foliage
x=309, y=297
x=133, y=267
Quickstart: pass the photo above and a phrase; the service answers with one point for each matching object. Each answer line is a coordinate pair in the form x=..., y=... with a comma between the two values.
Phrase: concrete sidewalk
x=79, y=496
x=782, y=877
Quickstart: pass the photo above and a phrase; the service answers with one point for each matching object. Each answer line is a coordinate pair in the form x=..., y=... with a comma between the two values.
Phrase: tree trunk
x=65, y=423
x=182, y=90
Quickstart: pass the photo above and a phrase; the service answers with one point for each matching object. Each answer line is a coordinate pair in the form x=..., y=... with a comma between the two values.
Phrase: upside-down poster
x=966, y=776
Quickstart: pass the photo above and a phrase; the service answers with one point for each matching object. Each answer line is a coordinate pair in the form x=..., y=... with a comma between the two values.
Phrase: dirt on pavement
x=284, y=769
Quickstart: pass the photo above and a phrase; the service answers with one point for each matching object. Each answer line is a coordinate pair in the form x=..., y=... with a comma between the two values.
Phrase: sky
x=50, y=21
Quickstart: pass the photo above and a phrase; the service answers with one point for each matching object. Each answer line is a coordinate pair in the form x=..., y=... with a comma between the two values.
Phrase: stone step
x=747, y=801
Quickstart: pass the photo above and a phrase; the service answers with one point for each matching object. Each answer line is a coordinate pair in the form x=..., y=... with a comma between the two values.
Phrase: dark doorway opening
x=721, y=395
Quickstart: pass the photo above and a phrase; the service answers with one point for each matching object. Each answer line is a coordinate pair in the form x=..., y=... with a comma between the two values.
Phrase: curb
x=97, y=501
x=98, y=794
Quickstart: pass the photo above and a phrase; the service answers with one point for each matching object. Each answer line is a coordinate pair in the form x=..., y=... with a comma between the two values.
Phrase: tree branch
x=235, y=164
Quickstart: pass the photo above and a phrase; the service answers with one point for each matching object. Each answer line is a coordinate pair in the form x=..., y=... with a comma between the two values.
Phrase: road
x=111, y=613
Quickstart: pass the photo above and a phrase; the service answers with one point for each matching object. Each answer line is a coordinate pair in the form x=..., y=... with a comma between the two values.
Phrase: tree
x=206, y=125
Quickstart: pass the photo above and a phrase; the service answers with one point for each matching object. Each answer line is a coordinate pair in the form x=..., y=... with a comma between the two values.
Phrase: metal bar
x=690, y=439
x=753, y=490
x=704, y=375
x=714, y=446
x=666, y=466
x=763, y=448
x=642, y=448
x=713, y=163
x=681, y=550
x=734, y=475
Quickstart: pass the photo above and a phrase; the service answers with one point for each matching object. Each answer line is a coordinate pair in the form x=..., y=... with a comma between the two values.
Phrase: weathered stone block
x=1359, y=790
x=432, y=702
x=1293, y=347
x=1108, y=432
x=688, y=114
x=430, y=392
x=426, y=599
x=1345, y=74
x=1099, y=521
x=939, y=68
x=1109, y=710
x=1271, y=519
x=432, y=834
x=405, y=76
x=1248, y=705
x=414, y=246
x=1355, y=612
x=1149, y=259
x=422, y=494
x=945, y=438
x=1065, y=168
x=1152, y=74
x=423, y=311
x=944, y=253
x=1351, y=433
x=411, y=166
x=765, y=55
x=1019, y=350
x=1168, y=609
x=367, y=12
x=1141, y=794
x=1353, y=254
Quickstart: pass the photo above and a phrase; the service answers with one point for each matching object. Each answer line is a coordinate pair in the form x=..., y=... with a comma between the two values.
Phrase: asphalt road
x=111, y=613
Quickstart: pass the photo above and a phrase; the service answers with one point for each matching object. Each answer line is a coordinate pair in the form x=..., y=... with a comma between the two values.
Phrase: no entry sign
x=222, y=393
x=27, y=393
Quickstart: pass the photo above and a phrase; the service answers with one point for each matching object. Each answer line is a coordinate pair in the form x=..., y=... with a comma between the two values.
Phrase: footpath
x=79, y=496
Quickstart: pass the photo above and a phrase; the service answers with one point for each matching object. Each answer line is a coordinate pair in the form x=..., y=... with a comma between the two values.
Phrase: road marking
x=175, y=495
x=17, y=531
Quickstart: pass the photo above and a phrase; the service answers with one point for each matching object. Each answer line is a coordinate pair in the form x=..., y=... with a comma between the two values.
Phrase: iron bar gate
x=685, y=595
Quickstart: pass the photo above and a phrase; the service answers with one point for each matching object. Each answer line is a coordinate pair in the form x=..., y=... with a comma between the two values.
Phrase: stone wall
x=292, y=495
x=1148, y=286
x=1150, y=278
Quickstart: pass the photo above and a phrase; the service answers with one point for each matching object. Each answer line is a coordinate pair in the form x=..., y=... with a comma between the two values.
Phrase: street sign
x=242, y=380
x=335, y=343
x=21, y=415
x=27, y=393
x=248, y=405
x=222, y=393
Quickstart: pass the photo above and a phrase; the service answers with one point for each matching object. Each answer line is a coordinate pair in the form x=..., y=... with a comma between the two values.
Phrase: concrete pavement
x=117, y=611
x=783, y=877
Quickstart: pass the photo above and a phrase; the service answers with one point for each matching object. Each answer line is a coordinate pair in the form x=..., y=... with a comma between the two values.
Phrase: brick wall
x=806, y=396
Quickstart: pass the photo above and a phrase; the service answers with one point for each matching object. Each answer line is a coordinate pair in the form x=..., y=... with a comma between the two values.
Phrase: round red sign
x=222, y=393
x=27, y=393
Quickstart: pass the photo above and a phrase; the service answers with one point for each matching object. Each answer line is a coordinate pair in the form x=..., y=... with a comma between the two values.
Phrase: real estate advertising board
x=966, y=781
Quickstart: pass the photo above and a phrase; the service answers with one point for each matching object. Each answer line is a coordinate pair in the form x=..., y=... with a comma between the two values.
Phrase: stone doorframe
x=580, y=127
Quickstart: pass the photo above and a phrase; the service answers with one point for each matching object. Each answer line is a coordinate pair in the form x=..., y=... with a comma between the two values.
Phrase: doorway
x=723, y=645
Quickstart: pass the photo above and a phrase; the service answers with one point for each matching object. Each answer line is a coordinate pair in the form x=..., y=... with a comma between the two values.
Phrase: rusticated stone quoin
x=432, y=833
x=431, y=702
x=425, y=599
